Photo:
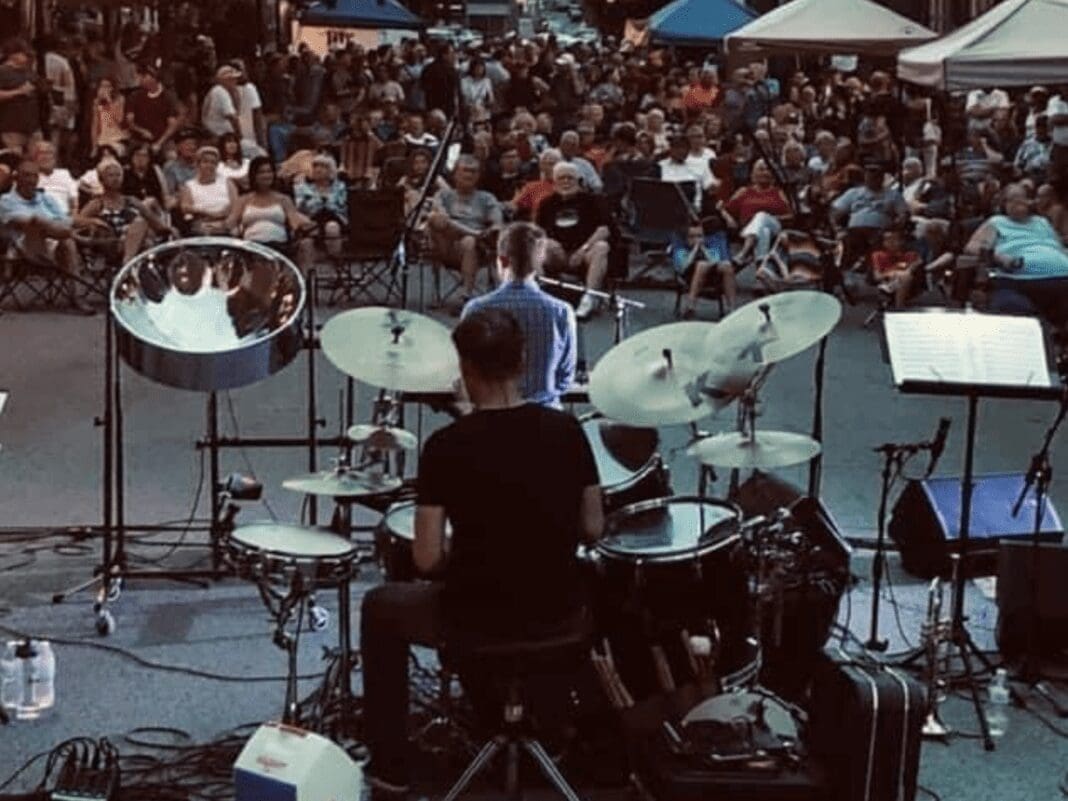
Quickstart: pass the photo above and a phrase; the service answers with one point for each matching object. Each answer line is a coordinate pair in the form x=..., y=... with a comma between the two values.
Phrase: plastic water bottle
x=11, y=679
x=43, y=678
x=997, y=710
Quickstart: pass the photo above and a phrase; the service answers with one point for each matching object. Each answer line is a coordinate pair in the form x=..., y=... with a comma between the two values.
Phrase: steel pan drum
x=208, y=313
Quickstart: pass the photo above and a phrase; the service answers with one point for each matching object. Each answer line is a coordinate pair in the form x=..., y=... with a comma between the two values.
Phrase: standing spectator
x=523, y=90
x=61, y=81
x=416, y=134
x=385, y=87
x=702, y=94
x=152, y=111
x=476, y=87
x=56, y=182
x=1057, y=111
x=981, y=105
x=342, y=84
x=218, y=114
x=253, y=132
x=232, y=162
x=1032, y=159
x=19, y=103
x=440, y=81
x=411, y=72
x=107, y=125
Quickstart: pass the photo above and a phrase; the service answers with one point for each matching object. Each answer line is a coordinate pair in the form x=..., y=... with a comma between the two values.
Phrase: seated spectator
x=385, y=87
x=506, y=180
x=978, y=161
x=697, y=260
x=232, y=162
x=700, y=155
x=89, y=183
x=388, y=125
x=416, y=134
x=152, y=112
x=825, y=144
x=896, y=270
x=183, y=167
x=359, y=150
x=415, y=174
x=56, y=182
x=1032, y=157
x=678, y=167
x=795, y=171
x=38, y=230
x=592, y=150
x=124, y=219
x=476, y=89
x=1029, y=260
x=794, y=259
x=207, y=200
x=530, y=196
x=702, y=94
x=758, y=210
x=1049, y=204
x=578, y=230
x=571, y=149
x=865, y=211
x=268, y=217
x=324, y=199
x=462, y=221
x=144, y=180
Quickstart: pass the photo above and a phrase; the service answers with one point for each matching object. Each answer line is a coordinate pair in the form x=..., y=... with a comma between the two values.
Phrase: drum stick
x=610, y=665
x=663, y=669
x=612, y=686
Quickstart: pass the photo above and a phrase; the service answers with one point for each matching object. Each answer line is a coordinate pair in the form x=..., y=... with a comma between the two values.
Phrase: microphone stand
x=1039, y=475
x=616, y=302
x=894, y=456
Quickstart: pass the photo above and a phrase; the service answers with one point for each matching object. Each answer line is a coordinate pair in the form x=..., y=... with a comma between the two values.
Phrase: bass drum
x=628, y=463
x=667, y=570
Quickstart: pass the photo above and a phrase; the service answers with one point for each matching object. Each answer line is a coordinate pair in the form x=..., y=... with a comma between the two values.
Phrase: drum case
x=866, y=722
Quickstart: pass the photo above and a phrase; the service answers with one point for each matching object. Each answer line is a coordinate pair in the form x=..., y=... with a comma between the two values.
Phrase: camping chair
x=30, y=283
x=376, y=224
x=660, y=213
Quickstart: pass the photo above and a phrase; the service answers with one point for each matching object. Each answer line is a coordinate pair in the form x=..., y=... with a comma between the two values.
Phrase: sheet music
x=966, y=348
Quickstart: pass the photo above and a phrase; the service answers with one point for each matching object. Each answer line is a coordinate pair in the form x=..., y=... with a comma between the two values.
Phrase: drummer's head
x=490, y=345
x=520, y=250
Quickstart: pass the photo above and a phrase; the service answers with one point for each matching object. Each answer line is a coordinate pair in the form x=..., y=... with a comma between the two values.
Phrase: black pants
x=1058, y=165
x=393, y=617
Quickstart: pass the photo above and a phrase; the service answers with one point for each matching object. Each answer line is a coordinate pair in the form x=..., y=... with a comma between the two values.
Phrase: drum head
x=620, y=451
x=292, y=541
x=672, y=527
x=400, y=521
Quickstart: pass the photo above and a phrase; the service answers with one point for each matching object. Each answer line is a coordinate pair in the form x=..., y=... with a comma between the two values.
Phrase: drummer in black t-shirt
x=519, y=485
x=577, y=225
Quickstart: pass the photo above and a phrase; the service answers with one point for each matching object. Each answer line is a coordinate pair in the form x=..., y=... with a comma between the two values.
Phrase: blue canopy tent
x=698, y=23
x=360, y=14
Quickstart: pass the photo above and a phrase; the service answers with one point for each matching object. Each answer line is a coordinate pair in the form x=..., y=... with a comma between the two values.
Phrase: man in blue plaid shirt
x=548, y=323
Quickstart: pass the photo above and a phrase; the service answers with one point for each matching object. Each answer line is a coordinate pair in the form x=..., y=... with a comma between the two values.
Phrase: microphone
x=938, y=444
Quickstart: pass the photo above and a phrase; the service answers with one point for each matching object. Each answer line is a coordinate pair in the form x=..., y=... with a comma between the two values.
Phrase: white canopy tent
x=828, y=26
x=1016, y=43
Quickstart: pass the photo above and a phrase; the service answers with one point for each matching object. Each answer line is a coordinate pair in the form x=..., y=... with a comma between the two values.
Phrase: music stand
x=970, y=355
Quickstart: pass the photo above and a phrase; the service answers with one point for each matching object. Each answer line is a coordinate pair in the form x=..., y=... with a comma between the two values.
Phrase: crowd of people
x=769, y=169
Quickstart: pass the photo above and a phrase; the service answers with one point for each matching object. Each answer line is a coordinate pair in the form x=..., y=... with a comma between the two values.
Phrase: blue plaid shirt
x=549, y=329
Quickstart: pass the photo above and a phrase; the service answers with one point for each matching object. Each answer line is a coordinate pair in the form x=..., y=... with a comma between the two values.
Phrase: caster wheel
x=318, y=618
x=105, y=623
x=114, y=589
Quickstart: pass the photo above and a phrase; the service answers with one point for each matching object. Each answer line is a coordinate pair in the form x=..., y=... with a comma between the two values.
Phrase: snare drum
x=629, y=467
x=666, y=567
x=394, y=539
x=276, y=551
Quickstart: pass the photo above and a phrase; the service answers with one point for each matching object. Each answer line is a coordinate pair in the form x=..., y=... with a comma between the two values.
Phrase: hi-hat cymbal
x=383, y=438
x=342, y=484
x=775, y=328
x=392, y=349
x=766, y=449
x=643, y=380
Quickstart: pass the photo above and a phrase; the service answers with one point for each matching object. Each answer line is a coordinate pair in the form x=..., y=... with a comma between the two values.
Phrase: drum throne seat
x=512, y=662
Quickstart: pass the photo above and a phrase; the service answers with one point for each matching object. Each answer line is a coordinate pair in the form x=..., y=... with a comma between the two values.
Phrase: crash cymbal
x=342, y=484
x=766, y=449
x=383, y=438
x=775, y=328
x=392, y=349
x=643, y=380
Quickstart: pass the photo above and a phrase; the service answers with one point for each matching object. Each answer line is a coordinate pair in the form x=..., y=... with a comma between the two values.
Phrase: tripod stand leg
x=963, y=641
x=548, y=767
x=489, y=750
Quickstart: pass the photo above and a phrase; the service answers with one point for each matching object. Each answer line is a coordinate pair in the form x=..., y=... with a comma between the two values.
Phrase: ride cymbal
x=764, y=450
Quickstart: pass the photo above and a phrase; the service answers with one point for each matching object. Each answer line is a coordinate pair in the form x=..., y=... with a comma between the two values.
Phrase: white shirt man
x=1058, y=107
x=62, y=188
x=981, y=105
x=61, y=79
x=219, y=112
x=248, y=103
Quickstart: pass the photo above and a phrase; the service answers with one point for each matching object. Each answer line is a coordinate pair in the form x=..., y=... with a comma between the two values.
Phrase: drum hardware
x=936, y=630
x=618, y=304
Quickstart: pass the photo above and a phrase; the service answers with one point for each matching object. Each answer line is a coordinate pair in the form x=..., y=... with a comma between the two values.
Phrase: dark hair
x=254, y=167
x=521, y=243
x=229, y=136
x=491, y=342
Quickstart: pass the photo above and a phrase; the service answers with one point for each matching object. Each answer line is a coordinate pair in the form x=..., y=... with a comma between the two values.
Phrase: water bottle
x=10, y=679
x=43, y=681
x=997, y=709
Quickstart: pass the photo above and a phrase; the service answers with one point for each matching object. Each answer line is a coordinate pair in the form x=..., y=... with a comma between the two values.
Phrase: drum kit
x=668, y=576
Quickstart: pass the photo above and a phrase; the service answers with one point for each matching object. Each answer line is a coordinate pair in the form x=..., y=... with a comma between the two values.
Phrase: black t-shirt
x=18, y=114
x=511, y=483
x=571, y=220
x=152, y=113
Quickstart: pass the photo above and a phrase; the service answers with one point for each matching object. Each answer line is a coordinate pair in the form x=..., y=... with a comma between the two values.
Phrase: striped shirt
x=549, y=330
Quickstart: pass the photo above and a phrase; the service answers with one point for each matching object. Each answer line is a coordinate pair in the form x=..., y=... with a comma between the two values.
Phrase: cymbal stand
x=619, y=305
x=748, y=411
